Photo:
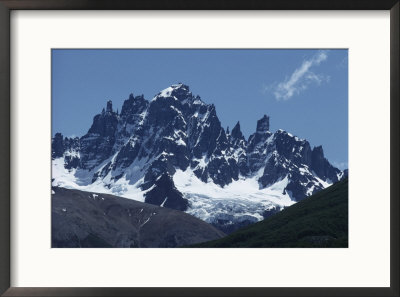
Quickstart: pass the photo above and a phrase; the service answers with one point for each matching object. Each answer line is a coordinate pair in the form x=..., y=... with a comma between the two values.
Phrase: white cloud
x=300, y=79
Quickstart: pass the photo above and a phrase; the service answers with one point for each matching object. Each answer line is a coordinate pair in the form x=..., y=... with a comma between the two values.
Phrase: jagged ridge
x=142, y=152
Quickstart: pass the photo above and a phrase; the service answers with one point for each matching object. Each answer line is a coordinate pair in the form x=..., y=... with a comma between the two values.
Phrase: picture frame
x=5, y=269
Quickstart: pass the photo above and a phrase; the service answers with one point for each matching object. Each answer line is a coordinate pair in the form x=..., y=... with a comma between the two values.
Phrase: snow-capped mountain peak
x=172, y=150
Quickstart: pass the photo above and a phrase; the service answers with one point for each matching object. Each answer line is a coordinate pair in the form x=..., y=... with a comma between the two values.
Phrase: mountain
x=319, y=221
x=172, y=151
x=86, y=219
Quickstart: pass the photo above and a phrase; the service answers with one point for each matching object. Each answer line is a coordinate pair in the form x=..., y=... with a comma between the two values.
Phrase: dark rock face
x=258, y=150
x=150, y=140
x=98, y=143
x=105, y=124
x=165, y=194
x=322, y=167
x=65, y=147
x=57, y=144
x=85, y=219
x=221, y=171
x=132, y=109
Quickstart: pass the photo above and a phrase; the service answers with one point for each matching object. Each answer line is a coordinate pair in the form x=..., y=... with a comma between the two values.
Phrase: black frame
x=7, y=6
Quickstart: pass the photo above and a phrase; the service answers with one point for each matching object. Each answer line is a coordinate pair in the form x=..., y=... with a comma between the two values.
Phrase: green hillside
x=318, y=221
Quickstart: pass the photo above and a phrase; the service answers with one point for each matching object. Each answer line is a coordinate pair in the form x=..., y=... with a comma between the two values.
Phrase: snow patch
x=241, y=198
x=165, y=200
x=180, y=142
x=145, y=222
x=81, y=180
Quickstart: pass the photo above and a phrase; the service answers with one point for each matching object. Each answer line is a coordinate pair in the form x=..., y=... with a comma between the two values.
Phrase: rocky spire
x=133, y=106
x=109, y=106
x=236, y=132
x=263, y=124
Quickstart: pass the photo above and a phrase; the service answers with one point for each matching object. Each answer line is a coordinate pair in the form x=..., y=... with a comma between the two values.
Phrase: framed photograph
x=190, y=149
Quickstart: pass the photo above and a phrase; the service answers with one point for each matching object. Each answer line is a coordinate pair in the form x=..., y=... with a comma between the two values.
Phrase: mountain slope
x=172, y=151
x=319, y=221
x=84, y=219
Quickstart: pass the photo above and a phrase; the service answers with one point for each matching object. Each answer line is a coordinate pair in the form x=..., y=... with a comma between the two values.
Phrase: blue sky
x=305, y=92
